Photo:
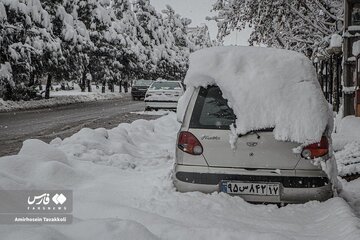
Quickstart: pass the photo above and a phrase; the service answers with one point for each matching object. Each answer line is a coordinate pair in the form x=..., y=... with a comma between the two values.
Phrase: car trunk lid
x=257, y=150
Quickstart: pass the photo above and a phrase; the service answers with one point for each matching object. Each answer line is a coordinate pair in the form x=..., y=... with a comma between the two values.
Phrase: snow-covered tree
x=27, y=44
x=75, y=42
x=105, y=41
x=199, y=37
x=304, y=26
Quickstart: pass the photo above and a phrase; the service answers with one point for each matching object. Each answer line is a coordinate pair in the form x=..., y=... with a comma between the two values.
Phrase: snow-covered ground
x=122, y=186
x=62, y=98
x=346, y=143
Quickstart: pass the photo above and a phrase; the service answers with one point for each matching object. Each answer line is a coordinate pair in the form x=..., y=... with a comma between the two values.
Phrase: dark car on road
x=139, y=88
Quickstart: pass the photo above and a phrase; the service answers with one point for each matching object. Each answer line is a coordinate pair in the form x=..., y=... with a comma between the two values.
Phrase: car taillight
x=316, y=150
x=188, y=143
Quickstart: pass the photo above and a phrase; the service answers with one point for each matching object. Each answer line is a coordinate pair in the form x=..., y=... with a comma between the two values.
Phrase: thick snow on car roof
x=266, y=88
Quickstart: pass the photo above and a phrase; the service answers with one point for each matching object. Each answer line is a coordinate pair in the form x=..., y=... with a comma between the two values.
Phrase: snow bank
x=37, y=166
x=346, y=143
x=351, y=193
x=82, y=230
x=348, y=159
x=346, y=132
x=266, y=88
x=60, y=98
x=121, y=182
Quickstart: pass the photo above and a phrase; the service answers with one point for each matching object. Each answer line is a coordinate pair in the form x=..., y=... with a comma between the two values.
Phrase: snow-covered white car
x=255, y=124
x=163, y=94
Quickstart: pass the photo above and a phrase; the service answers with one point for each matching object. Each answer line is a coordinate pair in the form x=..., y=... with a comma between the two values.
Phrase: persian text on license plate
x=245, y=188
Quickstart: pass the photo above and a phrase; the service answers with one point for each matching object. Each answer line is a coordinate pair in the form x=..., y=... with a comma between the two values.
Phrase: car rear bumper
x=138, y=93
x=296, y=186
x=161, y=104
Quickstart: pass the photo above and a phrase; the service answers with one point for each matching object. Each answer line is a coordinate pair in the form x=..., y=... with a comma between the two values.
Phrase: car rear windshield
x=211, y=110
x=165, y=86
x=142, y=83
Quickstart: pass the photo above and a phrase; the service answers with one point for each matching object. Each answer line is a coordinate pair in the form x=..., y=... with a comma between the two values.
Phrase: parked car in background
x=163, y=94
x=272, y=161
x=139, y=88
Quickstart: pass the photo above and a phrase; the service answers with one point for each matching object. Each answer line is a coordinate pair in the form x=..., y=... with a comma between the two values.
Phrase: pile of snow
x=336, y=41
x=346, y=143
x=348, y=159
x=266, y=88
x=351, y=193
x=356, y=48
x=61, y=98
x=347, y=131
x=109, y=229
x=122, y=187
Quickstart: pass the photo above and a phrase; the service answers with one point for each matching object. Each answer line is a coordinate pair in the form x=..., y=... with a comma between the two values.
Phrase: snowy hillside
x=122, y=186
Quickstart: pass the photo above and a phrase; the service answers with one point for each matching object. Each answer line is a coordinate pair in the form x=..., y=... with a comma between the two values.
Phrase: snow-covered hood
x=266, y=88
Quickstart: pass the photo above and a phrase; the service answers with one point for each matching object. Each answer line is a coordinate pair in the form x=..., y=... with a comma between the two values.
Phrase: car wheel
x=148, y=109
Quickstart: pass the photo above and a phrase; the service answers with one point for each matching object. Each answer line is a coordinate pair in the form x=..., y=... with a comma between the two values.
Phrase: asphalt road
x=63, y=121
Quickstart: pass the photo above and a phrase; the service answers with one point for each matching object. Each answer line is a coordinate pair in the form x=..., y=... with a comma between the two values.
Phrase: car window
x=211, y=110
x=165, y=86
x=142, y=83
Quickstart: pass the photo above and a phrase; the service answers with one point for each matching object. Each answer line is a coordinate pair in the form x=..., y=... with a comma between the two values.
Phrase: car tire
x=148, y=109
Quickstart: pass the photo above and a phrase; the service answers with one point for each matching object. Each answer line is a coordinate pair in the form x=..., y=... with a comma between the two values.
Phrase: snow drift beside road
x=61, y=98
x=121, y=179
x=266, y=88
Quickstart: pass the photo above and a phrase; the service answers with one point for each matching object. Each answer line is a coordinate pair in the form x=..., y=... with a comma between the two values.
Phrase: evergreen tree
x=27, y=44
x=105, y=41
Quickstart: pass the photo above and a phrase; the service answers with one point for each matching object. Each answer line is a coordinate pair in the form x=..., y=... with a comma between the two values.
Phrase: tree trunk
x=8, y=94
x=88, y=85
x=126, y=86
x=32, y=79
x=48, y=86
x=83, y=81
x=120, y=83
x=39, y=83
x=103, y=87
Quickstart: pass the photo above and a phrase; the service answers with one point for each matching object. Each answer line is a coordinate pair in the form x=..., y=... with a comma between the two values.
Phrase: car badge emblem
x=206, y=137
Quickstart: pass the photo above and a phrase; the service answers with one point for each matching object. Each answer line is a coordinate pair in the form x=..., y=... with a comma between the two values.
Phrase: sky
x=197, y=10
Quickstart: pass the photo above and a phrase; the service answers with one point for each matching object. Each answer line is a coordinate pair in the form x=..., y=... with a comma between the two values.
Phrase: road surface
x=63, y=121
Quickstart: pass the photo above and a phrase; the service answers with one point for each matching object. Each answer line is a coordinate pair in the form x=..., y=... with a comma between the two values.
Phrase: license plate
x=247, y=188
